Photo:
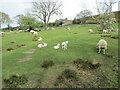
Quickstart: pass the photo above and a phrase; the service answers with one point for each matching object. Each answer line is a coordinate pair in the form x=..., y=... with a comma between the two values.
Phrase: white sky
x=70, y=7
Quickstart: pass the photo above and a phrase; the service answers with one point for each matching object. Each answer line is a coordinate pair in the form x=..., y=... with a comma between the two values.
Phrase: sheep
x=1, y=32
x=102, y=45
x=40, y=39
x=42, y=45
x=35, y=34
x=32, y=31
x=53, y=28
x=105, y=31
x=68, y=28
x=20, y=30
x=48, y=28
x=57, y=46
x=90, y=30
x=64, y=45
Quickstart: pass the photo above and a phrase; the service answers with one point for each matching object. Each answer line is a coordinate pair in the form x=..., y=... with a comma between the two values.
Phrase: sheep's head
x=66, y=41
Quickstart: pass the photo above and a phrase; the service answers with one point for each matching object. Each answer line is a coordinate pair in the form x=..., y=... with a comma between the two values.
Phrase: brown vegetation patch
x=115, y=37
x=25, y=59
x=10, y=49
x=106, y=35
x=12, y=41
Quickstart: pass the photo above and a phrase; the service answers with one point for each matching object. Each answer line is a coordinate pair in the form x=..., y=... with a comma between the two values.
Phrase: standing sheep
x=102, y=45
x=64, y=45
x=105, y=31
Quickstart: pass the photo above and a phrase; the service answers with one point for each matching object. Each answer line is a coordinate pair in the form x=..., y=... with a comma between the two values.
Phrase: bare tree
x=106, y=17
x=84, y=15
x=105, y=6
x=45, y=9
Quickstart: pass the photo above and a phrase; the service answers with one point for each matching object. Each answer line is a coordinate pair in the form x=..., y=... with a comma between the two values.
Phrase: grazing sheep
x=64, y=45
x=42, y=45
x=1, y=32
x=20, y=30
x=68, y=28
x=40, y=39
x=105, y=31
x=48, y=28
x=102, y=45
x=90, y=30
x=32, y=31
x=53, y=28
x=57, y=46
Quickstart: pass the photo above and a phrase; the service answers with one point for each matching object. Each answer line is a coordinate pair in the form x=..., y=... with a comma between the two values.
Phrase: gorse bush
x=15, y=81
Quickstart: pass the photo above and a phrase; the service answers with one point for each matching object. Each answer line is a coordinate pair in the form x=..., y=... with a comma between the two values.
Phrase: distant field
x=27, y=58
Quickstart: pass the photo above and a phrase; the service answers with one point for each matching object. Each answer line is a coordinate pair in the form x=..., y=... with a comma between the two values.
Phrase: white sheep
x=64, y=45
x=57, y=46
x=42, y=45
x=105, y=31
x=102, y=45
x=35, y=34
x=20, y=30
x=40, y=39
x=53, y=28
x=32, y=31
x=90, y=30
x=1, y=32
x=68, y=28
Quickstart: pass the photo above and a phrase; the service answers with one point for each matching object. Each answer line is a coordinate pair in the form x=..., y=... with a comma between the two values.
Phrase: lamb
x=57, y=46
x=102, y=45
x=40, y=39
x=42, y=45
x=90, y=30
x=64, y=45
x=105, y=31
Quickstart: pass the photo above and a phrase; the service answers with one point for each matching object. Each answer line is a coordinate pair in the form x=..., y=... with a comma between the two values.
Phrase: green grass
x=81, y=45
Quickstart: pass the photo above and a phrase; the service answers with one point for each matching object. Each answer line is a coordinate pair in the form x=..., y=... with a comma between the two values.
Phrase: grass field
x=82, y=45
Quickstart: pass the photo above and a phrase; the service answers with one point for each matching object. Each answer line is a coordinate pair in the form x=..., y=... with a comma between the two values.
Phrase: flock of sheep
x=101, y=45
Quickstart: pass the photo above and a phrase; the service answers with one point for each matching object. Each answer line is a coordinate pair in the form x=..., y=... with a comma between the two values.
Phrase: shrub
x=15, y=81
x=47, y=64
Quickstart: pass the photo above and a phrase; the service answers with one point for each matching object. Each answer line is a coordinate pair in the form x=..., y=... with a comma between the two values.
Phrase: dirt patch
x=31, y=51
x=25, y=59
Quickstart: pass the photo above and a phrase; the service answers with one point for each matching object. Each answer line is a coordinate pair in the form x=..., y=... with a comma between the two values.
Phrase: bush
x=47, y=64
x=76, y=21
x=15, y=81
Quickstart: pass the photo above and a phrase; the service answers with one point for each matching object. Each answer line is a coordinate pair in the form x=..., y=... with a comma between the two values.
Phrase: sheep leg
x=99, y=50
x=103, y=51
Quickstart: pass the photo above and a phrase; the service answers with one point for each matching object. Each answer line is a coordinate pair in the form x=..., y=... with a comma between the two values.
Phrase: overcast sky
x=70, y=7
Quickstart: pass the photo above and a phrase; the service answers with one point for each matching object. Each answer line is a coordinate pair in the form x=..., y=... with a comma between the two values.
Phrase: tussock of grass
x=10, y=49
x=85, y=64
x=67, y=79
x=15, y=81
x=47, y=64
